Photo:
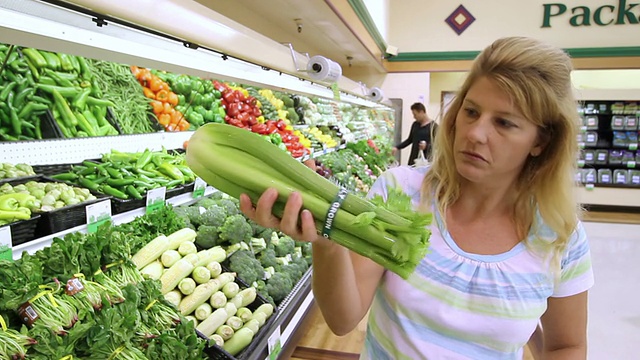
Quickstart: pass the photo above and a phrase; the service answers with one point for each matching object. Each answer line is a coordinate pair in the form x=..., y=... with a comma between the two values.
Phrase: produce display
x=48, y=196
x=118, y=84
x=233, y=161
x=256, y=254
x=198, y=100
x=163, y=100
x=11, y=171
x=130, y=175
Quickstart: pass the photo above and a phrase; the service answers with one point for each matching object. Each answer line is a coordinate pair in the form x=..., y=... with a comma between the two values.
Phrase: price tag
x=633, y=146
x=274, y=345
x=6, y=252
x=155, y=199
x=631, y=164
x=336, y=91
x=580, y=163
x=589, y=187
x=199, y=186
x=98, y=214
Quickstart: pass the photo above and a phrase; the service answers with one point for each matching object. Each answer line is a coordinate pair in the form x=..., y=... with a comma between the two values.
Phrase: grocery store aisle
x=614, y=314
x=614, y=317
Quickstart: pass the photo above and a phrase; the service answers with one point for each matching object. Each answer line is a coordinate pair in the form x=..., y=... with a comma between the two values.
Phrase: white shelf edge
x=37, y=244
x=297, y=318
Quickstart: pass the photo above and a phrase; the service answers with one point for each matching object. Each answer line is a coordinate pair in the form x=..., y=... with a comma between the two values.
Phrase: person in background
x=507, y=250
x=420, y=135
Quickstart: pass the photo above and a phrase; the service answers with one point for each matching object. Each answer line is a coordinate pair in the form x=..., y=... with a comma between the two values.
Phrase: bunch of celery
x=237, y=161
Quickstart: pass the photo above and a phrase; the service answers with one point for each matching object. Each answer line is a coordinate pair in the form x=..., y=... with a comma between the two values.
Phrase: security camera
x=298, y=24
x=299, y=28
x=376, y=94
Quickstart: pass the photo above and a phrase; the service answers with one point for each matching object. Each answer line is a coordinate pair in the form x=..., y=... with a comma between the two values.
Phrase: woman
x=507, y=249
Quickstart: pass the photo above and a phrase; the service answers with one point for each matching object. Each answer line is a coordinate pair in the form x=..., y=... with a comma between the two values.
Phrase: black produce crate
x=22, y=179
x=66, y=217
x=24, y=230
x=119, y=206
x=49, y=127
x=216, y=352
x=50, y=170
x=63, y=218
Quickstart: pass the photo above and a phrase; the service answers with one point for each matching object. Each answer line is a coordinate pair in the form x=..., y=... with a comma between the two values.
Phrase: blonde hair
x=538, y=78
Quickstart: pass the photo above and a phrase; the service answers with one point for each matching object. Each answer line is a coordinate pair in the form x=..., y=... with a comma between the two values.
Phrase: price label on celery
x=155, y=199
x=336, y=91
x=274, y=344
x=6, y=252
x=633, y=146
x=98, y=214
x=631, y=164
x=580, y=163
x=198, y=189
x=589, y=187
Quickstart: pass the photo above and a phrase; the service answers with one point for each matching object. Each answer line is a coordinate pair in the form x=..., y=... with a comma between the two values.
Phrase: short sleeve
x=576, y=274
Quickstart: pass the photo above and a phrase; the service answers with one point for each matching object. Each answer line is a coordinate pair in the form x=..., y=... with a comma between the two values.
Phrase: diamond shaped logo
x=460, y=19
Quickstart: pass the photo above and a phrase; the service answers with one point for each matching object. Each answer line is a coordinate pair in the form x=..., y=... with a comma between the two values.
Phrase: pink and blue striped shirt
x=459, y=305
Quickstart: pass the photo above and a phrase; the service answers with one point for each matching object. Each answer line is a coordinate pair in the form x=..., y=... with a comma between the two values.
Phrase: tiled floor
x=614, y=301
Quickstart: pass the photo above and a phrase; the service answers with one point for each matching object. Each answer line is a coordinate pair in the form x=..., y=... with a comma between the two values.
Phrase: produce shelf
x=32, y=246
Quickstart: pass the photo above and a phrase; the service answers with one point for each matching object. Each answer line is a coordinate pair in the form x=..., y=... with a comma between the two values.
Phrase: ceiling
x=322, y=31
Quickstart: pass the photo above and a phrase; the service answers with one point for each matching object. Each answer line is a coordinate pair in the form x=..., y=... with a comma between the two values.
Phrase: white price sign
x=156, y=199
x=98, y=214
x=274, y=344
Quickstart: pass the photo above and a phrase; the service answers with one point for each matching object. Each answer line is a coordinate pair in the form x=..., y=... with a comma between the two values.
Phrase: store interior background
x=332, y=28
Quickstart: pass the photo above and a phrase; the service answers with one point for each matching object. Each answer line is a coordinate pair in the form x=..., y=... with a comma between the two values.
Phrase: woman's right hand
x=298, y=224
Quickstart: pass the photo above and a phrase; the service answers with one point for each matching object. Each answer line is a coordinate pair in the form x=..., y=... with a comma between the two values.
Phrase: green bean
x=132, y=109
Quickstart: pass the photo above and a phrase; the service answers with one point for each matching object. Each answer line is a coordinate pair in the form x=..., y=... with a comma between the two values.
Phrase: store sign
x=623, y=13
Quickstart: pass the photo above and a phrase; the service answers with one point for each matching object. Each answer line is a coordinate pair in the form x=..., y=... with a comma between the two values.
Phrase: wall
x=410, y=87
x=419, y=26
x=379, y=11
x=582, y=80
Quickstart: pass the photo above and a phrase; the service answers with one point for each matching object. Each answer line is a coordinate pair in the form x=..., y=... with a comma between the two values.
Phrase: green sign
x=621, y=13
x=199, y=186
x=155, y=199
x=336, y=91
x=98, y=214
x=6, y=253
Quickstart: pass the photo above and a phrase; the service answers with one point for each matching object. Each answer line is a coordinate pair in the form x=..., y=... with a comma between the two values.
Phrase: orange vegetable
x=162, y=95
x=173, y=99
x=158, y=107
x=183, y=125
x=164, y=119
x=176, y=116
x=167, y=108
x=148, y=93
x=185, y=144
x=156, y=84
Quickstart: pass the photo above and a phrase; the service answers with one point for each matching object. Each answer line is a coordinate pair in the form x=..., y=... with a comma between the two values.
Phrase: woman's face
x=492, y=139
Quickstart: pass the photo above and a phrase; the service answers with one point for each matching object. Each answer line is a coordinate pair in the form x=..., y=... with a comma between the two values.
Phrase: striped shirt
x=458, y=305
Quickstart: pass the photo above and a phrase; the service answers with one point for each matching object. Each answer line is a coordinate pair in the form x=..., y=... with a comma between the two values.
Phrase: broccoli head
x=283, y=245
x=230, y=206
x=235, y=229
x=193, y=214
x=268, y=259
x=213, y=216
x=257, y=229
x=265, y=234
x=257, y=245
x=246, y=266
x=207, y=236
x=279, y=286
x=207, y=203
